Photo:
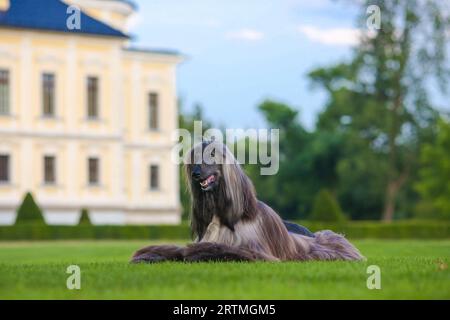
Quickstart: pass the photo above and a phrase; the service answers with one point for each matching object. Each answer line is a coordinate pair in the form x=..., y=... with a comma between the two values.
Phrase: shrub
x=31, y=231
x=405, y=229
x=326, y=208
x=433, y=183
x=84, y=218
x=29, y=211
x=412, y=229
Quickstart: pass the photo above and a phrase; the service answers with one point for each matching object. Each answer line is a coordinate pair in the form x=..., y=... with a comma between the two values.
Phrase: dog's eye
x=213, y=153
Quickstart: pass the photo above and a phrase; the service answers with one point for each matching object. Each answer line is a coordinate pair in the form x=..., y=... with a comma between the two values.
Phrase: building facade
x=85, y=119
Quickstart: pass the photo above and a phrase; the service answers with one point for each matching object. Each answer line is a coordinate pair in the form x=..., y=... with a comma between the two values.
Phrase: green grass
x=410, y=269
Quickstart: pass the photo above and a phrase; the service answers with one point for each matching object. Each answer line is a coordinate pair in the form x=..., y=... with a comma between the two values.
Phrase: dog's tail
x=328, y=245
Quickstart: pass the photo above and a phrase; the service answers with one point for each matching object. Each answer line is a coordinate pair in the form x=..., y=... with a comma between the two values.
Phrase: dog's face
x=205, y=174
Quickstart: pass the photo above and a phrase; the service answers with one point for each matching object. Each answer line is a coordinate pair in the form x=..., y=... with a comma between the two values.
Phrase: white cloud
x=134, y=21
x=331, y=36
x=246, y=34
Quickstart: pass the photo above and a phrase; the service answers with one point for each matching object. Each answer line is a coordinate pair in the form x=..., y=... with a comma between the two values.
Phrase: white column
x=71, y=85
x=28, y=160
x=136, y=111
x=118, y=115
x=136, y=176
x=27, y=106
x=73, y=168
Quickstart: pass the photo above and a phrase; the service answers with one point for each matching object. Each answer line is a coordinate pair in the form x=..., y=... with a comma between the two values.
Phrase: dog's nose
x=196, y=173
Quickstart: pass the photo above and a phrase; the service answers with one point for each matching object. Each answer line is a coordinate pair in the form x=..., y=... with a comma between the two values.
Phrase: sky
x=239, y=53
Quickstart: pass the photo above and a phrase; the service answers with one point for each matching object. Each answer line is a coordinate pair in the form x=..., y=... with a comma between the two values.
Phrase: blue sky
x=241, y=52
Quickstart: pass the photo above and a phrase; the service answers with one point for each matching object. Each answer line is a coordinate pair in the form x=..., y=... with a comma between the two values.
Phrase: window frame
x=48, y=110
x=151, y=181
x=92, y=111
x=96, y=181
x=153, y=110
x=52, y=172
x=6, y=109
x=8, y=168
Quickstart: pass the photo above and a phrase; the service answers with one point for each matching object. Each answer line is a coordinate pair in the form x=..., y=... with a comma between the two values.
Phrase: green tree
x=29, y=211
x=326, y=208
x=84, y=217
x=284, y=191
x=379, y=101
x=308, y=163
x=434, y=175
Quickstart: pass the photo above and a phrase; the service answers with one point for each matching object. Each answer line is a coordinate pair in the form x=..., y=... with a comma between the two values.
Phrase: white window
x=153, y=111
x=92, y=97
x=93, y=171
x=4, y=168
x=49, y=170
x=48, y=94
x=154, y=177
x=4, y=92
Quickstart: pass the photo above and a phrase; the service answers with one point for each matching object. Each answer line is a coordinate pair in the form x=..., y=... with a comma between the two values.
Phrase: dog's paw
x=148, y=257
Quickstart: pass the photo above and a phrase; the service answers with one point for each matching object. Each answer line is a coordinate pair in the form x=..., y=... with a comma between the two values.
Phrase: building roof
x=154, y=51
x=131, y=3
x=51, y=15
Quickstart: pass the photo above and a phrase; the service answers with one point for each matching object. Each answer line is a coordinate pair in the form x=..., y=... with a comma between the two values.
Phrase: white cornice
x=83, y=136
x=148, y=56
x=60, y=135
x=121, y=7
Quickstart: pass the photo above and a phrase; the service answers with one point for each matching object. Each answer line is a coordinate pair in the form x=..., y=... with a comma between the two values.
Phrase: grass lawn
x=410, y=269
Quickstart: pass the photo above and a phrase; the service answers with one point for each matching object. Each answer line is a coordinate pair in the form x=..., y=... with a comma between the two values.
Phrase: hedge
x=395, y=230
x=46, y=232
x=354, y=230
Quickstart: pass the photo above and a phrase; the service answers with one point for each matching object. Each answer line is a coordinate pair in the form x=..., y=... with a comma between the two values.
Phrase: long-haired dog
x=230, y=224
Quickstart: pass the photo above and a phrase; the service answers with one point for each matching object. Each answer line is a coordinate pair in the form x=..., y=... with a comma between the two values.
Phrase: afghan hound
x=229, y=223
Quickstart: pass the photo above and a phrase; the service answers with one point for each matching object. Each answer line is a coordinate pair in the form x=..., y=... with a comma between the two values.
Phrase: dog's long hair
x=229, y=223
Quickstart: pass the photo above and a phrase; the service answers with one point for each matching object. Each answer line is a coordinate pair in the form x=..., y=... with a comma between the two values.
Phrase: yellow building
x=85, y=119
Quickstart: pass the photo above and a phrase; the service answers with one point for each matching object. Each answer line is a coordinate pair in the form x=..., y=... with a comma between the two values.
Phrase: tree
x=326, y=208
x=434, y=176
x=308, y=163
x=380, y=99
x=29, y=211
x=84, y=218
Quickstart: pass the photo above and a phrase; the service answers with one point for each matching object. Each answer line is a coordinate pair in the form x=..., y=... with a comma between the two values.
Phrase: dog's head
x=217, y=183
x=207, y=165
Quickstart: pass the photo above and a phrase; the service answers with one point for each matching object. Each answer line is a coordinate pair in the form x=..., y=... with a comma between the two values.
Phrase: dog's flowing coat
x=229, y=223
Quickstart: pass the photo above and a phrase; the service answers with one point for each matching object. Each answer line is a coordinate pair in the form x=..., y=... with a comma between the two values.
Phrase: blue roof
x=51, y=15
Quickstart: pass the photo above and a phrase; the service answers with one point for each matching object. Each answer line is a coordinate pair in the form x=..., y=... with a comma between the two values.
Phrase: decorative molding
x=94, y=61
x=49, y=57
x=147, y=146
x=156, y=79
x=7, y=53
x=142, y=56
x=60, y=135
